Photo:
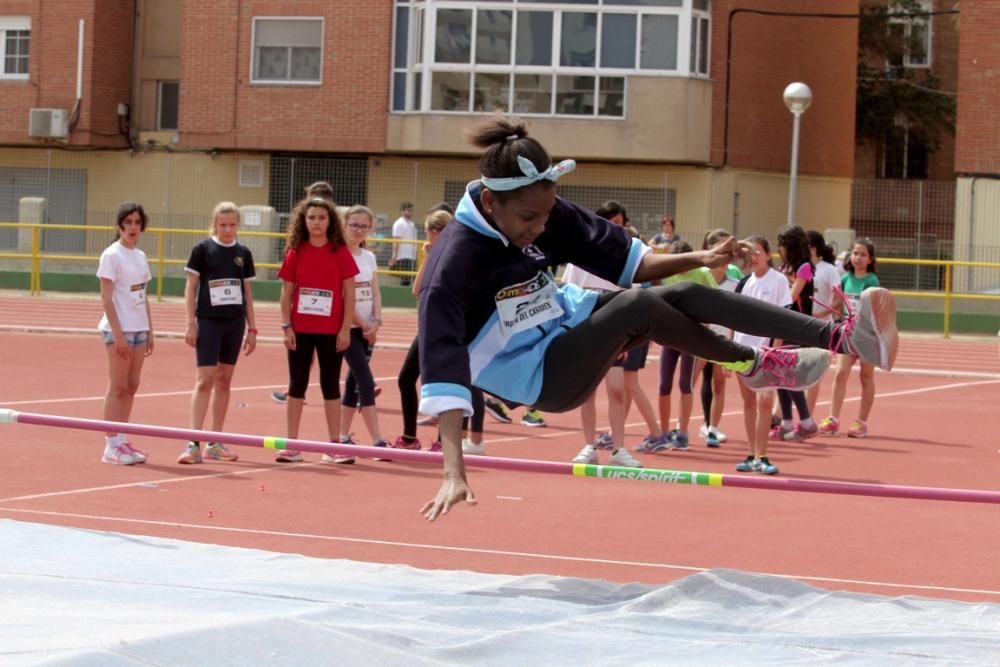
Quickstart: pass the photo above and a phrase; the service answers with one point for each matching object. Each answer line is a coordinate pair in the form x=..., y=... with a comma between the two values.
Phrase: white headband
x=531, y=175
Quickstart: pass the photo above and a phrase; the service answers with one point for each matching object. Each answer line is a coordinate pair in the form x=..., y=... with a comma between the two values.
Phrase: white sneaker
x=118, y=455
x=469, y=447
x=623, y=458
x=587, y=455
x=719, y=435
x=703, y=431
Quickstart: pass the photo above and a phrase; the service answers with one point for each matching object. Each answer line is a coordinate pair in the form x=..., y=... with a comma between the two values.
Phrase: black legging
x=673, y=315
x=785, y=399
x=359, y=383
x=409, y=373
x=300, y=361
x=707, y=375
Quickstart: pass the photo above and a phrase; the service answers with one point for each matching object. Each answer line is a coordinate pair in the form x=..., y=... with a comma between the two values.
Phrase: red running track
x=932, y=426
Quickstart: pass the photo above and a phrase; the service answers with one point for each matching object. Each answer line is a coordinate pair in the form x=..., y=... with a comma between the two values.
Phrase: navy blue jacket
x=489, y=310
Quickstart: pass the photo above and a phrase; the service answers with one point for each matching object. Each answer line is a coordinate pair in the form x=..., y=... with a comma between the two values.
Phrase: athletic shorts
x=219, y=341
x=132, y=338
x=635, y=359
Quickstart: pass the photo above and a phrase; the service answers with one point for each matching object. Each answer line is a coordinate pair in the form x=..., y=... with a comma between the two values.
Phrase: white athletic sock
x=786, y=424
x=111, y=441
x=808, y=422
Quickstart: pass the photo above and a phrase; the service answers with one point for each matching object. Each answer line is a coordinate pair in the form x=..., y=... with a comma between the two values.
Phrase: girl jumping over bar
x=492, y=316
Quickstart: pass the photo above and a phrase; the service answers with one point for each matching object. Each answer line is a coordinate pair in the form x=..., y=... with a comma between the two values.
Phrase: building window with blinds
x=287, y=50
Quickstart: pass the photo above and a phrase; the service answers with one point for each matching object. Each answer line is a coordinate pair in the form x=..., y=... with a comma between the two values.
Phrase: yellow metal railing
x=159, y=260
x=37, y=257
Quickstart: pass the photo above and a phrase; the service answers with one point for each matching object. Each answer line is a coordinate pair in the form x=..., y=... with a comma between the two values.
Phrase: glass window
x=575, y=95
x=703, y=37
x=402, y=36
x=533, y=93
x=919, y=46
x=167, y=105
x=579, y=39
x=492, y=92
x=288, y=50
x=659, y=42
x=399, y=91
x=648, y=3
x=450, y=91
x=703, y=5
x=493, y=34
x=562, y=2
x=15, y=43
x=618, y=40
x=453, y=40
x=611, y=96
x=534, y=38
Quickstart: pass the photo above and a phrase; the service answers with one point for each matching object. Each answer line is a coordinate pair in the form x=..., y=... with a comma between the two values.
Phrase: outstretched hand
x=726, y=252
x=452, y=491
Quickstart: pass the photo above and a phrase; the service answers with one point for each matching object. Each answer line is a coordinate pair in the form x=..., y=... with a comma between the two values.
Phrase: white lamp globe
x=798, y=96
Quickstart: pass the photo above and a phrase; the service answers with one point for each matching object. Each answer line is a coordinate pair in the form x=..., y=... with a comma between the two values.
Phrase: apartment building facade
x=673, y=106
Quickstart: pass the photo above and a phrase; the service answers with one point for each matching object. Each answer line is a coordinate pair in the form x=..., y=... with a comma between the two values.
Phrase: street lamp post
x=798, y=97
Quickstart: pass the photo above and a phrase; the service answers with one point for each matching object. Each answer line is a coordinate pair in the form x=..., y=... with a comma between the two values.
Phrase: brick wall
x=53, y=65
x=346, y=113
x=768, y=53
x=977, y=146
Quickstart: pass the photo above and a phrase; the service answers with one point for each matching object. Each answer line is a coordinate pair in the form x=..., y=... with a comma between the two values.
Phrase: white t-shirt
x=406, y=230
x=128, y=270
x=364, y=295
x=729, y=285
x=772, y=287
x=825, y=279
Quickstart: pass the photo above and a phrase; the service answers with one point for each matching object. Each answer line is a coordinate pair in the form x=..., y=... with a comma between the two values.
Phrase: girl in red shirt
x=317, y=288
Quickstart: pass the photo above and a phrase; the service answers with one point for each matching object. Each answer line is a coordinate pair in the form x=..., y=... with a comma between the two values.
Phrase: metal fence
x=907, y=219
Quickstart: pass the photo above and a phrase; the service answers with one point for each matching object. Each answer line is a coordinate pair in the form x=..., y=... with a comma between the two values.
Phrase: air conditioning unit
x=48, y=123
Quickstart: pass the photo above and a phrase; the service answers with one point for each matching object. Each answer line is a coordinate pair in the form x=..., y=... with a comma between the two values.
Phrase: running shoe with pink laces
x=138, y=455
x=779, y=433
x=216, y=451
x=118, y=455
x=870, y=333
x=829, y=426
x=191, y=453
x=800, y=432
x=858, y=429
x=403, y=443
x=783, y=368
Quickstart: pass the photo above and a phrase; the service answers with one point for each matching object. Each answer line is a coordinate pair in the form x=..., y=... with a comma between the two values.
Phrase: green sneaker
x=532, y=418
x=216, y=451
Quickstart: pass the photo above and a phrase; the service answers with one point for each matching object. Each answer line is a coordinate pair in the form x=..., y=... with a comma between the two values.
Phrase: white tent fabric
x=78, y=597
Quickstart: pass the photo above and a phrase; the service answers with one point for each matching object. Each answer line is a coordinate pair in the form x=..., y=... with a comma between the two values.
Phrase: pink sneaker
x=829, y=426
x=118, y=455
x=779, y=433
x=401, y=443
x=800, y=432
x=138, y=455
x=435, y=446
x=858, y=429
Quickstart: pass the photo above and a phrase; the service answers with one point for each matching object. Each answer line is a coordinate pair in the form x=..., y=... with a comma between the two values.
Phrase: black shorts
x=219, y=341
x=635, y=359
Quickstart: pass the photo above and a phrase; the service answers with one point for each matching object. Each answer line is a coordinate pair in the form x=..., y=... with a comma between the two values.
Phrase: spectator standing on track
x=317, y=298
x=793, y=246
x=825, y=281
x=359, y=387
x=409, y=373
x=768, y=285
x=859, y=277
x=218, y=302
x=404, y=255
x=621, y=381
x=491, y=314
x=670, y=357
x=127, y=326
x=323, y=190
x=714, y=376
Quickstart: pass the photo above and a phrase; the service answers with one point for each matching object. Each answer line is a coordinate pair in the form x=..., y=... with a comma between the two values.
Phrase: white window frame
x=907, y=22
x=13, y=23
x=288, y=82
x=425, y=66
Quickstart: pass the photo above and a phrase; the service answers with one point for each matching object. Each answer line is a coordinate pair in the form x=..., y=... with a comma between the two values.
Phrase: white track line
x=160, y=394
x=489, y=552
